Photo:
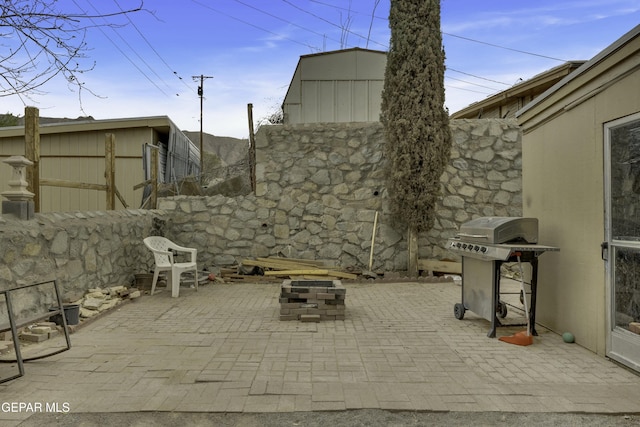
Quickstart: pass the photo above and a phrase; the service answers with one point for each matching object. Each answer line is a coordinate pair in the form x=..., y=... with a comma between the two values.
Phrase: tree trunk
x=412, y=242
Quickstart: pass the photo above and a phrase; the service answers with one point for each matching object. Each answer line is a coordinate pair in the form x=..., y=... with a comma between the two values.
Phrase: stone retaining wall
x=82, y=250
x=484, y=178
x=319, y=187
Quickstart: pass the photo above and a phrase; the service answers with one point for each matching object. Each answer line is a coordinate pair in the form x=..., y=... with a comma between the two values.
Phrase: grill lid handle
x=473, y=236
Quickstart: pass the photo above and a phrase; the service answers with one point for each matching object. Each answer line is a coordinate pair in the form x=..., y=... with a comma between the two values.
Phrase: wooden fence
x=32, y=152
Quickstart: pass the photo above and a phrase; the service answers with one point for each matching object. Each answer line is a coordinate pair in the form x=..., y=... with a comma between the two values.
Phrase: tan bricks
x=39, y=332
x=224, y=350
x=31, y=337
x=312, y=300
x=6, y=346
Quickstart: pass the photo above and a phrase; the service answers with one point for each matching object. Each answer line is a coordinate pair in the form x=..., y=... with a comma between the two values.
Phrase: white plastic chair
x=163, y=255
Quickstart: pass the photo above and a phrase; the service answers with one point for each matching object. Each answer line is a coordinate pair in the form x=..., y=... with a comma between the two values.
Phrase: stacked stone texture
x=320, y=185
x=484, y=178
x=318, y=189
x=306, y=301
x=81, y=250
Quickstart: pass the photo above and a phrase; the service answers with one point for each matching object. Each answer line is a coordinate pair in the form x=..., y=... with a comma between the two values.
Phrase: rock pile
x=98, y=300
x=93, y=303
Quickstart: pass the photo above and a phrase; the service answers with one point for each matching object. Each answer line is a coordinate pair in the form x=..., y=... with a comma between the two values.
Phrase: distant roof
x=531, y=87
x=635, y=32
x=89, y=124
x=332, y=52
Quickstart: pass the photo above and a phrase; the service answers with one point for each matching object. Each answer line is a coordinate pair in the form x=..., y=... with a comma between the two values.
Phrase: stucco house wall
x=563, y=186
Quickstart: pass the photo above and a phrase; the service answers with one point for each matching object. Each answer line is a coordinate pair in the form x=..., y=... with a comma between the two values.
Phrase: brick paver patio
x=224, y=349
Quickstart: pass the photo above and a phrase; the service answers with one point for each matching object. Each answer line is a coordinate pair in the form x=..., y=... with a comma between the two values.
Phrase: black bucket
x=71, y=314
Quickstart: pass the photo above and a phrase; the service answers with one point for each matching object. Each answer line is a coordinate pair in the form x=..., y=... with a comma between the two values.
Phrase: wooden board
x=295, y=261
x=342, y=275
x=277, y=264
x=296, y=267
x=311, y=271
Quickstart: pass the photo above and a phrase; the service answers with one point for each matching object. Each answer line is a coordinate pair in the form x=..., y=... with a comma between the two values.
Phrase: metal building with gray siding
x=337, y=86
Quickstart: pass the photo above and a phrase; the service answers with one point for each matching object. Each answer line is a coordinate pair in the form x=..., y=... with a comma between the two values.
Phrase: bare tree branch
x=39, y=42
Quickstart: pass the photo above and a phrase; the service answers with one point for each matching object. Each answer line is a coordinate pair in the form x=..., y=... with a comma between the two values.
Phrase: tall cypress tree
x=415, y=120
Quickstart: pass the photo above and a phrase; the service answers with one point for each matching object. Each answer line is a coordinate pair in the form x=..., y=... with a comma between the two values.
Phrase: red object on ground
x=519, y=338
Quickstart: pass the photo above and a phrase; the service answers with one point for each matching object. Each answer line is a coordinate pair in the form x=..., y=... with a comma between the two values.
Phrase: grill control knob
x=476, y=248
x=484, y=249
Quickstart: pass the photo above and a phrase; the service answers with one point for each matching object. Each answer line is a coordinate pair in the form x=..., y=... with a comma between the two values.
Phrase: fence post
x=32, y=152
x=110, y=169
x=252, y=149
x=154, y=177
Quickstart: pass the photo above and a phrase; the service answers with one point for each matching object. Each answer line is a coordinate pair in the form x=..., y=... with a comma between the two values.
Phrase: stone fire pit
x=312, y=300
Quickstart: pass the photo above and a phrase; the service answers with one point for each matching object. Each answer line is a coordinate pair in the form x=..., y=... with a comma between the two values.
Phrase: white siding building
x=338, y=86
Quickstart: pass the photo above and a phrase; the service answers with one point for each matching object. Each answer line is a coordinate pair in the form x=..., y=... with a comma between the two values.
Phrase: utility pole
x=201, y=77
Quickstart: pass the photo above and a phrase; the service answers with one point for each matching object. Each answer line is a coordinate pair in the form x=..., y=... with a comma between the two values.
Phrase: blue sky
x=251, y=47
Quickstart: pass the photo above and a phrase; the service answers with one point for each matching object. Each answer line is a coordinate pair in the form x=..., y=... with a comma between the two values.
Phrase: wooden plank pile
x=312, y=300
x=276, y=269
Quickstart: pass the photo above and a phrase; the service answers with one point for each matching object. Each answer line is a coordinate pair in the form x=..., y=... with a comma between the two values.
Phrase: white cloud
x=559, y=13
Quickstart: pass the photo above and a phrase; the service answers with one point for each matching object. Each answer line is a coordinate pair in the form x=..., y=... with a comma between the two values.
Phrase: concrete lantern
x=18, y=183
x=20, y=200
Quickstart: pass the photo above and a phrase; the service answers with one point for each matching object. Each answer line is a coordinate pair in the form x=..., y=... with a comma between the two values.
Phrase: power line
x=342, y=28
x=120, y=50
x=504, y=47
x=132, y=49
x=285, y=21
x=152, y=48
x=477, y=77
x=467, y=90
x=254, y=26
x=373, y=16
x=453, y=35
x=471, y=83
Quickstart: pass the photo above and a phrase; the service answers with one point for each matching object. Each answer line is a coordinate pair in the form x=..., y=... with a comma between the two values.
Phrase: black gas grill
x=486, y=243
